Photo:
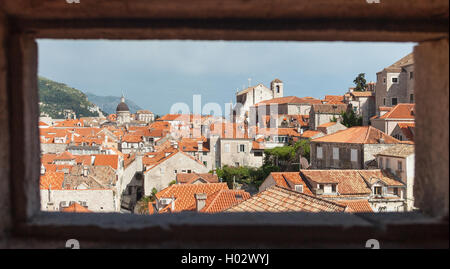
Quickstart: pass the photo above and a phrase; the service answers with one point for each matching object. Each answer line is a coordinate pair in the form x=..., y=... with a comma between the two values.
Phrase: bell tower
x=276, y=86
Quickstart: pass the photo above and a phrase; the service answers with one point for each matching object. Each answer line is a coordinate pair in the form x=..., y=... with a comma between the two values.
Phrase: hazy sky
x=157, y=74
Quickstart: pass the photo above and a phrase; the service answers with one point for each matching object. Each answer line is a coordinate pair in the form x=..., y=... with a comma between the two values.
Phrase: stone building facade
x=395, y=84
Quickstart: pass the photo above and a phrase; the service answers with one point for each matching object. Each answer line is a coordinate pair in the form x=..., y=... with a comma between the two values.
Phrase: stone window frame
x=337, y=22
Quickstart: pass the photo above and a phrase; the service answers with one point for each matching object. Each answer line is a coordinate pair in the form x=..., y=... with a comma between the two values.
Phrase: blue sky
x=156, y=74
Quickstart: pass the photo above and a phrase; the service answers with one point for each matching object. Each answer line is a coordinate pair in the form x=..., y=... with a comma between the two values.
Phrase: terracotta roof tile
x=356, y=205
x=188, y=178
x=400, y=111
x=279, y=199
x=184, y=195
x=105, y=160
x=76, y=207
x=53, y=180
x=289, y=180
x=358, y=135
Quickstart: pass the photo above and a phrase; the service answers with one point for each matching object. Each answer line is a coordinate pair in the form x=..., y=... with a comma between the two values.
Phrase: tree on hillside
x=360, y=83
x=350, y=119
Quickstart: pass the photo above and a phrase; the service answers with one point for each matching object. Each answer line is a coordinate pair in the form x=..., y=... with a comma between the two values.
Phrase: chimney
x=200, y=145
x=200, y=199
x=85, y=171
x=172, y=206
x=42, y=169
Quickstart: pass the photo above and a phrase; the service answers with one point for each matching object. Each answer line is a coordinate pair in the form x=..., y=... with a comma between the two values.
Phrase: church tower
x=276, y=86
x=123, y=112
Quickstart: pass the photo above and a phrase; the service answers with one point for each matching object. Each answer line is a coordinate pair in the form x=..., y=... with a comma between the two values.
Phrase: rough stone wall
x=160, y=180
x=5, y=220
x=232, y=157
x=96, y=200
x=53, y=148
x=344, y=161
x=371, y=150
x=432, y=113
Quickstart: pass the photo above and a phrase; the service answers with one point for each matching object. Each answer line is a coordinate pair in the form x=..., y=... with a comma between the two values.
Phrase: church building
x=252, y=95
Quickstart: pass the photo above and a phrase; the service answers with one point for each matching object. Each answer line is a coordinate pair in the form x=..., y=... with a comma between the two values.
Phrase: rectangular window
x=335, y=153
x=354, y=155
x=384, y=101
x=227, y=147
x=394, y=101
x=242, y=148
x=411, y=75
x=236, y=164
x=384, y=80
x=333, y=188
x=399, y=165
x=381, y=163
x=257, y=154
x=411, y=98
x=299, y=188
x=395, y=80
x=319, y=153
x=395, y=191
x=387, y=165
x=205, y=163
x=377, y=190
x=320, y=186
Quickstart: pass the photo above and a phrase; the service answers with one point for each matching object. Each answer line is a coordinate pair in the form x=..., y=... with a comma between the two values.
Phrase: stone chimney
x=42, y=169
x=85, y=171
x=200, y=199
x=172, y=206
x=200, y=145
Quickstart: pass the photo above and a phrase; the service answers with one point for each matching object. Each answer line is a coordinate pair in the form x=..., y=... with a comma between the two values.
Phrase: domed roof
x=122, y=106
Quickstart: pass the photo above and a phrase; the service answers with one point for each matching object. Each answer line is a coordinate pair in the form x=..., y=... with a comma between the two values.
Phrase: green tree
x=350, y=119
x=360, y=83
x=302, y=148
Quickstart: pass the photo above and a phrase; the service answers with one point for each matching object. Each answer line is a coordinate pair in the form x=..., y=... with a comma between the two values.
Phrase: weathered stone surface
x=5, y=210
x=432, y=91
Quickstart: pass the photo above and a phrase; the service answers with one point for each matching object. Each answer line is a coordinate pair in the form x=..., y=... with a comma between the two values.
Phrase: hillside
x=109, y=103
x=56, y=97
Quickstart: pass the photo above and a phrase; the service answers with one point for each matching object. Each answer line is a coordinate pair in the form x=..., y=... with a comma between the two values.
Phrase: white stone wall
x=233, y=156
x=160, y=176
x=96, y=200
x=53, y=148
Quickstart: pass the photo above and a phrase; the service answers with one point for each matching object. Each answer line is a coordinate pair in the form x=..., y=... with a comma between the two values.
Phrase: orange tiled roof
x=191, y=144
x=69, y=123
x=256, y=145
x=356, y=205
x=224, y=199
x=131, y=138
x=184, y=195
x=407, y=129
x=328, y=124
x=400, y=111
x=289, y=180
x=105, y=160
x=76, y=207
x=279, y=199
x=333, y=98
x=362, y=94
x=187, y=178
x=289, y=100
x=229, y=130
x=358, y=135
x=52, y=179
x=65, y=156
